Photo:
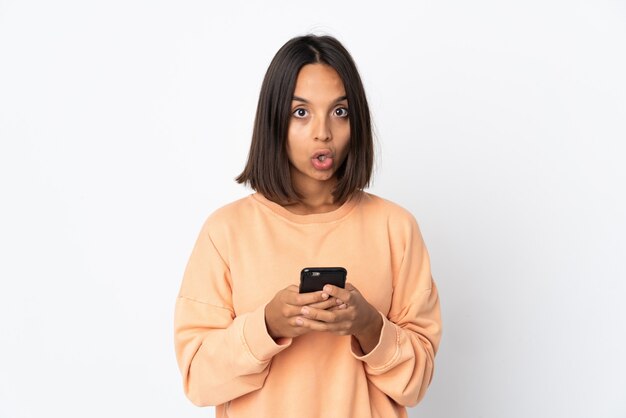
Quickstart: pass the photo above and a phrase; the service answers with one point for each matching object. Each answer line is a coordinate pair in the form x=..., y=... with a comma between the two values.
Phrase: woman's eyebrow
x=303, y=100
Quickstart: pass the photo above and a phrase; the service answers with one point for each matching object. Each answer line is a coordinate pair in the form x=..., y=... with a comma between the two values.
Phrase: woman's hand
x=283, y=311
x=352, y=315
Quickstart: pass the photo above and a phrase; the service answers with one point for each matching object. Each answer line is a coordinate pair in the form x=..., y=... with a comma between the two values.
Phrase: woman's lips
x=322, y=160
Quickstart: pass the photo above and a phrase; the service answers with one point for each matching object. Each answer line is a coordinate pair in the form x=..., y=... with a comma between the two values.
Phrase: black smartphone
x=313, y=279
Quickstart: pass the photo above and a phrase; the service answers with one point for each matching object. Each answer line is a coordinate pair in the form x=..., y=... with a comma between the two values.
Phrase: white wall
x=501, y=126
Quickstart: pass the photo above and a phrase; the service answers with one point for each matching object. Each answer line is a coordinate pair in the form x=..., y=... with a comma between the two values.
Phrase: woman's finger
x=293, y=297
x=318, y=314
x=326, y=304
x=344, y=295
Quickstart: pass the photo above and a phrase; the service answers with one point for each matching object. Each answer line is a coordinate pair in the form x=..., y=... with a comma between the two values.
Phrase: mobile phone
x=313, y=279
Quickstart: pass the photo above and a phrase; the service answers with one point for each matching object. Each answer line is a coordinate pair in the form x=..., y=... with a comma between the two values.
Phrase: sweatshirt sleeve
x=402, y=363
x=221, y=355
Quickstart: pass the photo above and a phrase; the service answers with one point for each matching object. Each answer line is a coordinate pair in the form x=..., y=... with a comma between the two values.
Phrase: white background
x=500, y=125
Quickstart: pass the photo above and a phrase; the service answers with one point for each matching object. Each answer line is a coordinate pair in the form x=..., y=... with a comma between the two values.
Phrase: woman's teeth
x=321, y=157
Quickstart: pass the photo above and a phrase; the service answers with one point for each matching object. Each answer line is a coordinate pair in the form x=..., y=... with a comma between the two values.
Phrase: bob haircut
x=267, y=170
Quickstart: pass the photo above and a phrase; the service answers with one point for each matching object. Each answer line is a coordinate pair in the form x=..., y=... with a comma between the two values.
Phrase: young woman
x=246, y=340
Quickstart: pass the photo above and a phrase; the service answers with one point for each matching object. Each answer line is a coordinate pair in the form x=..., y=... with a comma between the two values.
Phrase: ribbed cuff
x=385, y=352
x=260, y=344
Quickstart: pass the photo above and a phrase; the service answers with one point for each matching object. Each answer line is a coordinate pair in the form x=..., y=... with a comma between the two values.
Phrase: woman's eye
x=300, y=113
x=341, y=112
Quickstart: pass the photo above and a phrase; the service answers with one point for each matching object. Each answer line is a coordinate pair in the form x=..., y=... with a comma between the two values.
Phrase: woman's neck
x=310, y=207
x=317, y=197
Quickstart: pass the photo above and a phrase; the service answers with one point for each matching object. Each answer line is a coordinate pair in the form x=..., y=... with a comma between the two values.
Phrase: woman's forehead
x=319, y=81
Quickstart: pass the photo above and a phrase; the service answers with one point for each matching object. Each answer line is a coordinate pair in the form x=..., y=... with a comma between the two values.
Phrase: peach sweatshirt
x=250, y=249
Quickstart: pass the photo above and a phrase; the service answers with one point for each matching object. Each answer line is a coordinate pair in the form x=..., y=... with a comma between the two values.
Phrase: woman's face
x=319, y=129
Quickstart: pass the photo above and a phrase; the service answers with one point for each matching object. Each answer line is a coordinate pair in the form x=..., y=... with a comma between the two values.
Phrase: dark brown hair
x=267, y=169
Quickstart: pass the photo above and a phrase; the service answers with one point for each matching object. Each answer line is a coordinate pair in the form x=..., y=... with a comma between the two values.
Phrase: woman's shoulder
x=234, y=207
x=400, y=222
x=230, y=213
x=385, y=207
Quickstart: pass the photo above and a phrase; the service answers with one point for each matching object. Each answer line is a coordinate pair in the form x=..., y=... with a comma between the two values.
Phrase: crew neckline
x=331, y=216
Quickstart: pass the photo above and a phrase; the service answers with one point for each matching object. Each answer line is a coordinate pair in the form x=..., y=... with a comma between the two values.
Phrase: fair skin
x=317, y=145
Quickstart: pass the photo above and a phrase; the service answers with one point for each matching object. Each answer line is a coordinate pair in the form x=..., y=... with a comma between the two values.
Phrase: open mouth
x=322, y=154
x=322, y=159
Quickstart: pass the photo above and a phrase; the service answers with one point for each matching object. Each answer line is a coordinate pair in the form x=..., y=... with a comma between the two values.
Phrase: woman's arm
x=402, y=363
x=397, y=350
x=221, y=356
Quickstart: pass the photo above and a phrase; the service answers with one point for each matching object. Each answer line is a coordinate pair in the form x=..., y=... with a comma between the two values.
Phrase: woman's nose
x=322, y=130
